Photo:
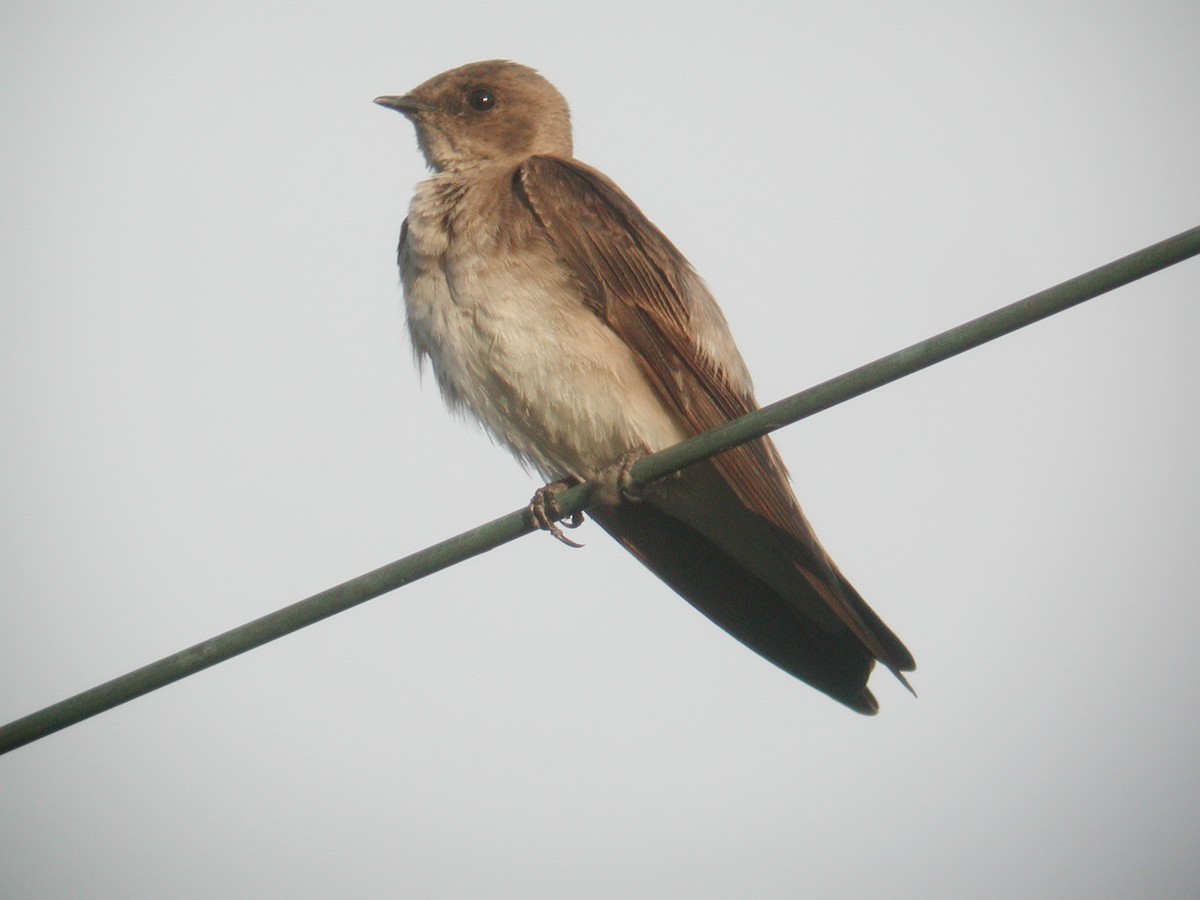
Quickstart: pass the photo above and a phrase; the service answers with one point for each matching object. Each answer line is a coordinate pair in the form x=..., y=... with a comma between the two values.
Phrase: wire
x=509, y=527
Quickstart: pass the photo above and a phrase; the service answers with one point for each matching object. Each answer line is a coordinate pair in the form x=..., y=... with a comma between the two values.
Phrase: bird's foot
x=544, y=511
x=625, y=485
x=615, y=484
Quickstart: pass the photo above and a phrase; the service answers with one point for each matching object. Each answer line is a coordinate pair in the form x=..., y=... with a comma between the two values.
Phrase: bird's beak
x=406, y=104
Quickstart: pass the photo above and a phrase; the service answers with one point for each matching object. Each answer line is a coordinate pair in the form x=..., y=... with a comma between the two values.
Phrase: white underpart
x=511, y=342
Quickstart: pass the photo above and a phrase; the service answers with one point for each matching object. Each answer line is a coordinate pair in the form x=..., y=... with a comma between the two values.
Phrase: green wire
x=506, y=528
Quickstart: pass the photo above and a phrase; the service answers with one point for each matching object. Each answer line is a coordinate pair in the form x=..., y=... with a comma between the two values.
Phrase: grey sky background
x=208, y=411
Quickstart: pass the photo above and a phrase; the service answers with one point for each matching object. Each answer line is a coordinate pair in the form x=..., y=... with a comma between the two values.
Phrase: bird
x=553, y=311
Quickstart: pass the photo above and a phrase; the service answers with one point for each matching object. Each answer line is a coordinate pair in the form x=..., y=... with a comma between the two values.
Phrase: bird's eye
x=482, y=99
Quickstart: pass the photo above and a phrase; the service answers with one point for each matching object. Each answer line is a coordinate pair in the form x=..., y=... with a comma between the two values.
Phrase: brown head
x=494, y=111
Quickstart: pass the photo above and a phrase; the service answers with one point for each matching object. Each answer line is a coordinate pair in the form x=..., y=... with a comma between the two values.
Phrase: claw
x=544, y=511
x=628, y=490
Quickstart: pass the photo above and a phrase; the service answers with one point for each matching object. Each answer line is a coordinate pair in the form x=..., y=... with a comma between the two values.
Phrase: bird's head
x=494, y=111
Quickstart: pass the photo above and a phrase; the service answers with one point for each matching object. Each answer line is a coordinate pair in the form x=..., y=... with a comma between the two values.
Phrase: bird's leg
x=625, y=485
x=615, y=483
x=612, y=485
x=544, y=511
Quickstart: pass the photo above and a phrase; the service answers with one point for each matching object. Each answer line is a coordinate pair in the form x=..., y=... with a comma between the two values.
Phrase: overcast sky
x=208, y=410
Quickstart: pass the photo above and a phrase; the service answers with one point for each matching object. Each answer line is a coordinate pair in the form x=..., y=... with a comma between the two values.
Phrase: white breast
x=511, y=342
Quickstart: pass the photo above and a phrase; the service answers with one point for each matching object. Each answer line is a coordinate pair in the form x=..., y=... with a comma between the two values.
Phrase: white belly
x=511, y=342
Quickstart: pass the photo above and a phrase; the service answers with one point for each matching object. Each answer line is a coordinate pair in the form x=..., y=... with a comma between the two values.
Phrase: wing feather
x=648, y=293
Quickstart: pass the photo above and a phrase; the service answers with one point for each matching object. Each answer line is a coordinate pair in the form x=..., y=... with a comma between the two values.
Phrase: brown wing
x=643, y=286
x=646, y=291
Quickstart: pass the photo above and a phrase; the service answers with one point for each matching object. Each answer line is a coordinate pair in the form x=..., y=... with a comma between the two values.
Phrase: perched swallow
x=559, y=316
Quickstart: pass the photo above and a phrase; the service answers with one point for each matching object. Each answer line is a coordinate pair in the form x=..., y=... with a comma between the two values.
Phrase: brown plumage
x=559, y=316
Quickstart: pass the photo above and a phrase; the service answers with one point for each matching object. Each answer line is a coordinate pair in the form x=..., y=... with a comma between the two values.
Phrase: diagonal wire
x=509, y=527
